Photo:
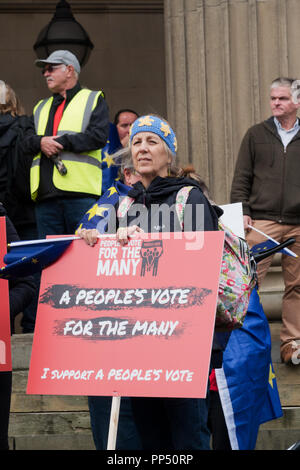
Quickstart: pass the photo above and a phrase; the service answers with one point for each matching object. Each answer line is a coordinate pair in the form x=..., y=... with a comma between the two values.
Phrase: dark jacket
x=15, y=170
x=266, y=178
x=22, y=290
x=94, y=137
x=164, y=191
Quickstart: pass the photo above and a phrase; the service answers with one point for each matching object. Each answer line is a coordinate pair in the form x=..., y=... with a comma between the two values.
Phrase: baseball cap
x=60, y=57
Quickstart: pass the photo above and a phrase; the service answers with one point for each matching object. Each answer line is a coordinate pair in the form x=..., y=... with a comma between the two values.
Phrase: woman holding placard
x=163, y=423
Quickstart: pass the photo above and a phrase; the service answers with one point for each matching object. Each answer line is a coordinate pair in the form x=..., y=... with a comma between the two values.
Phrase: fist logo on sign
x=150, y=253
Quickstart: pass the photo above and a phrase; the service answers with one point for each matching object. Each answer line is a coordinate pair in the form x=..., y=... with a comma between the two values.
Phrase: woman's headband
x=157, y=126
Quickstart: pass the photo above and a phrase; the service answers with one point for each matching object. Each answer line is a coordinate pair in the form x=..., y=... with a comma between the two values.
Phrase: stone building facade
x=204, y=64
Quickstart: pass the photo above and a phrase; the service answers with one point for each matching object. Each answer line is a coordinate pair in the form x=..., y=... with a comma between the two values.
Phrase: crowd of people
x=52, y=172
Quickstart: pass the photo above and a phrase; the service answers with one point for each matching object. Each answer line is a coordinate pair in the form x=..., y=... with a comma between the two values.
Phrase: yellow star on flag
x=34, y=260
x=92, y=211
x=271, y=376
x=259, y=296
x=96, y=210
x=101, y=210
x=165, y=129
x=145, y=121
x=175, y=144
x=112, y=190
x=108, y=159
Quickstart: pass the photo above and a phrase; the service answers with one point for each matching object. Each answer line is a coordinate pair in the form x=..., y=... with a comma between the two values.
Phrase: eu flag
x=246, y=382
x=31, y=257
x=109, y=168
x=267, y=245
x=97, y=216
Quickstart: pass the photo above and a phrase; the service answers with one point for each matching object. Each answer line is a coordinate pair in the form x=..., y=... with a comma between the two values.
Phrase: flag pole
x=272, y=240
x=51, y=240
x=113, y=424
x=43, y=240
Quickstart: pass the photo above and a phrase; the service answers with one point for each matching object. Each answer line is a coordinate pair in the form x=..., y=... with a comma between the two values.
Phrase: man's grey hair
x=75, y=74
x=282, y=81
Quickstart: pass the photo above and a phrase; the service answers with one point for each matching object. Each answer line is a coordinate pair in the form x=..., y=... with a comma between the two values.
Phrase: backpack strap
x=181, y=199
x=125, y=204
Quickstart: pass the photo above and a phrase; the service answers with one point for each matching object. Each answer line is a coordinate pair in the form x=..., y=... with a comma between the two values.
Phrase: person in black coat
x=15, y=179
x=21, y=292
x=14, y=164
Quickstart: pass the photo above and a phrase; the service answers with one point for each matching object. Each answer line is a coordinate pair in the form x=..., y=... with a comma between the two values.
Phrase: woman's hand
x=124, y=233
x=90, y=236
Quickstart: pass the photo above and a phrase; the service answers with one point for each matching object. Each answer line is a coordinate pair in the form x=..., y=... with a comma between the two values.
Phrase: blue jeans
x=61, y=216
x=127, y=437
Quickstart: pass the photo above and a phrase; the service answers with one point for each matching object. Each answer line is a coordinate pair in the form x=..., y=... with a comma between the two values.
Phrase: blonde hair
x=11, y=104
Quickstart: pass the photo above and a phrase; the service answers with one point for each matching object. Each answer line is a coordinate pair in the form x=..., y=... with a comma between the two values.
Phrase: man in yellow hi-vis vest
x=68, y=131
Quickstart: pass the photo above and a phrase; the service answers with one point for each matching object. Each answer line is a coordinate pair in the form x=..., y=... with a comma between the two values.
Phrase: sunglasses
x=50, y=68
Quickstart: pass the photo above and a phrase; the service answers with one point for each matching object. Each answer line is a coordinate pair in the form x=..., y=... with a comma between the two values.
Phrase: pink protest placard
x=5, y=344
x=129, y=321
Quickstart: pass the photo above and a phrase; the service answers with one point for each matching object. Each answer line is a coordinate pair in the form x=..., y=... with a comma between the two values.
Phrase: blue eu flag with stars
x=98, y=215
x=108, y=166
x=246, y=382
x=31, y=257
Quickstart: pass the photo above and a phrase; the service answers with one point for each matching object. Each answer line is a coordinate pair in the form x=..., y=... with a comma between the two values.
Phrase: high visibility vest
x=84, y=173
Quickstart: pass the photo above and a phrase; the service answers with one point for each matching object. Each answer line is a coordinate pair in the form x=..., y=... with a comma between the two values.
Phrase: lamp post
x=63, y=32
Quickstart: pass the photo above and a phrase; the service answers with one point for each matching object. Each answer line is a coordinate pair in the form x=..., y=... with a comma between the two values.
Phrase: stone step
x=288, y=383
x=44, y=422
x=281, y=433
x=71, y=431
x=288, y=379
x=24, y=403
x=21, y=345
x=50, y=442
x=51, y=431
x=40, y=422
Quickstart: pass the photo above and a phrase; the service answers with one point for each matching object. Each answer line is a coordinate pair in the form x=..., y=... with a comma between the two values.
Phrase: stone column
x=221, y=56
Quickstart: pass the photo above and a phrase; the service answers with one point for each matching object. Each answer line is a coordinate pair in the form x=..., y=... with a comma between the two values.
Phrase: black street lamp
x=63, y=32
